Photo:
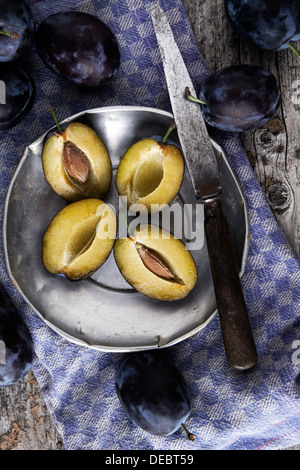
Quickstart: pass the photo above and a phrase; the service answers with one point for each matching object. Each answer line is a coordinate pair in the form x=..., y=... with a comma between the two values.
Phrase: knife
x=202, y=166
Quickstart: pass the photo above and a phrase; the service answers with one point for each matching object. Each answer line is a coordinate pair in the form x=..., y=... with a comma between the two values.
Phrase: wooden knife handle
x=237, y=335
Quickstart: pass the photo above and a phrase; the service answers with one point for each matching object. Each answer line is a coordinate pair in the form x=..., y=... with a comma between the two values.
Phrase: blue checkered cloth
x=257, y=409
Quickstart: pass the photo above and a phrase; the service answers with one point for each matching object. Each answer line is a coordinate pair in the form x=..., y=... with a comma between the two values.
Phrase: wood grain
x=274, y=152
x=25, y=423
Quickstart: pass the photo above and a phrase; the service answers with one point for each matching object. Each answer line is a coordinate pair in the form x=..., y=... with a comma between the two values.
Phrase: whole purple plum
x=16, y=348
x=239, y=98
x=17, y=94
x=16, y=29
x=78, y=47
x=153, y=393
x=269, y=24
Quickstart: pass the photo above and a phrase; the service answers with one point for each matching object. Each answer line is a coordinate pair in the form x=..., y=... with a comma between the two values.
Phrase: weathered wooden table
x=274, y=152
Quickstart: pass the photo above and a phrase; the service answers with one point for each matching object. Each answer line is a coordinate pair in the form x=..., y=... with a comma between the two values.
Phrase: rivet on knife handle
x=237, y=334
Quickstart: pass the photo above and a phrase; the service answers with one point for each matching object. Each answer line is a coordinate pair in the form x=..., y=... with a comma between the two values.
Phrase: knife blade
x=203, y=170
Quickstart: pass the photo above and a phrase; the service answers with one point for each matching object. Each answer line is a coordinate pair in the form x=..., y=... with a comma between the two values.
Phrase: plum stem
x=11, y=34
x=190, y=436
x=52, y=111
x=126, y=223
x=171, y=128
x=293, y=49
x=191, y=97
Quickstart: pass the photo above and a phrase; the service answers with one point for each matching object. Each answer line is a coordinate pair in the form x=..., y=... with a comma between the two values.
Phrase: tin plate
x=104, y=312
